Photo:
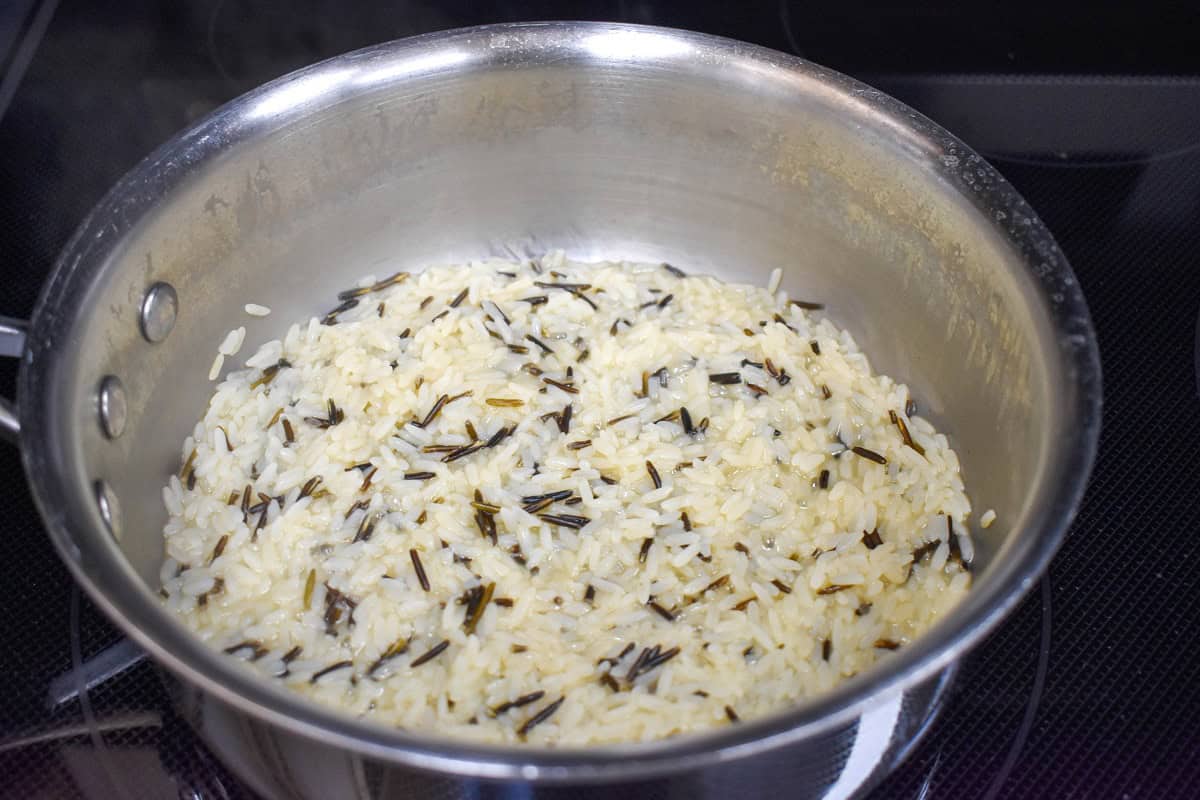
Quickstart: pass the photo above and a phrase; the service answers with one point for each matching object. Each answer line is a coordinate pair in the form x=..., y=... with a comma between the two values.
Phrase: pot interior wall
x=721, y=168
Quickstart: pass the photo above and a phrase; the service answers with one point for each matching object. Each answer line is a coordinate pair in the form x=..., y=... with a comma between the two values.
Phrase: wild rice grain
x=645, y=549
x=523, y=700
x=806, y=305
x=331, y=668
x=433, y=653
x=399, y=647
x=422, y=578
x=540, y=344
x=870, y=455
x=309, y=585
x=540, y=717
x=663, y=612
x=654, y=476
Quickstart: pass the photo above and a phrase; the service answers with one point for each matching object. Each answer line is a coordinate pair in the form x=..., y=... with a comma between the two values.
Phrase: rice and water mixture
x=562, y=503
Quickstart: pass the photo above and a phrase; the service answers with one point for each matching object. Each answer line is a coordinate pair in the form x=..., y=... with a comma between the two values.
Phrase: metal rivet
x=159, y=309
x=110, y=508
x=110, y=402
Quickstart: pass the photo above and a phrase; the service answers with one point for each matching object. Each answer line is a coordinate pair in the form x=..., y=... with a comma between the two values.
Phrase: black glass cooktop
x=1088, y=690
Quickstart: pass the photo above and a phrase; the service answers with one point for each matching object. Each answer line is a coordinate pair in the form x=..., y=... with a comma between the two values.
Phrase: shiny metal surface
x=109, y=507
x=839, y=764
x=607, y=141
x=159, y=310
x=12, y=345
x=111, y=406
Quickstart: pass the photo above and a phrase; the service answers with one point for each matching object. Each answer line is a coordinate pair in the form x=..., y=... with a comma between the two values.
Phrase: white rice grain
x=215, y=370
x=232, y=342
x=774, y=280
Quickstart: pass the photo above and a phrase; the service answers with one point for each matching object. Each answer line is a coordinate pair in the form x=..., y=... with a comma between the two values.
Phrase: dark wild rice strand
x=398, y=647
x=540, y=717
x=661, y=611
x=540, y=344
x=645, y=549
x=654, y=476
x=566, y=387
x=433, y=653
x=523, y=700
x=366, y=483
x=870, y=455
x=331, y=668
x=422, y=578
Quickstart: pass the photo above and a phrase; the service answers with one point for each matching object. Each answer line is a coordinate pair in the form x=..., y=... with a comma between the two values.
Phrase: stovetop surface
x=1088, y=690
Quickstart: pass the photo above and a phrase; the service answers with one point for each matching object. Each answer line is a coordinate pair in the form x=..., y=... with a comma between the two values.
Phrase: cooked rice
x=214, y=371
x=233, y=342
x=779, y=556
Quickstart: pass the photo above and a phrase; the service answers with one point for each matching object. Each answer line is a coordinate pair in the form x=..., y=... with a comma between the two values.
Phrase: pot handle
x=12, y=345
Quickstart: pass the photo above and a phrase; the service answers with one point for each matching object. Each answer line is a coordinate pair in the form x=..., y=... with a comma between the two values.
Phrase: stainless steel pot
x=606, y=141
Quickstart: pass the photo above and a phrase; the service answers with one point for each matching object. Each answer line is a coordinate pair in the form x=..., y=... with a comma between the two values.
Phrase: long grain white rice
x=233, y=342
x=780, y=583
x=214, y=371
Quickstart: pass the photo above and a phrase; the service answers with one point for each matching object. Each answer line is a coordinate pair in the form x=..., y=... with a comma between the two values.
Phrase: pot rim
x=97, y=564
